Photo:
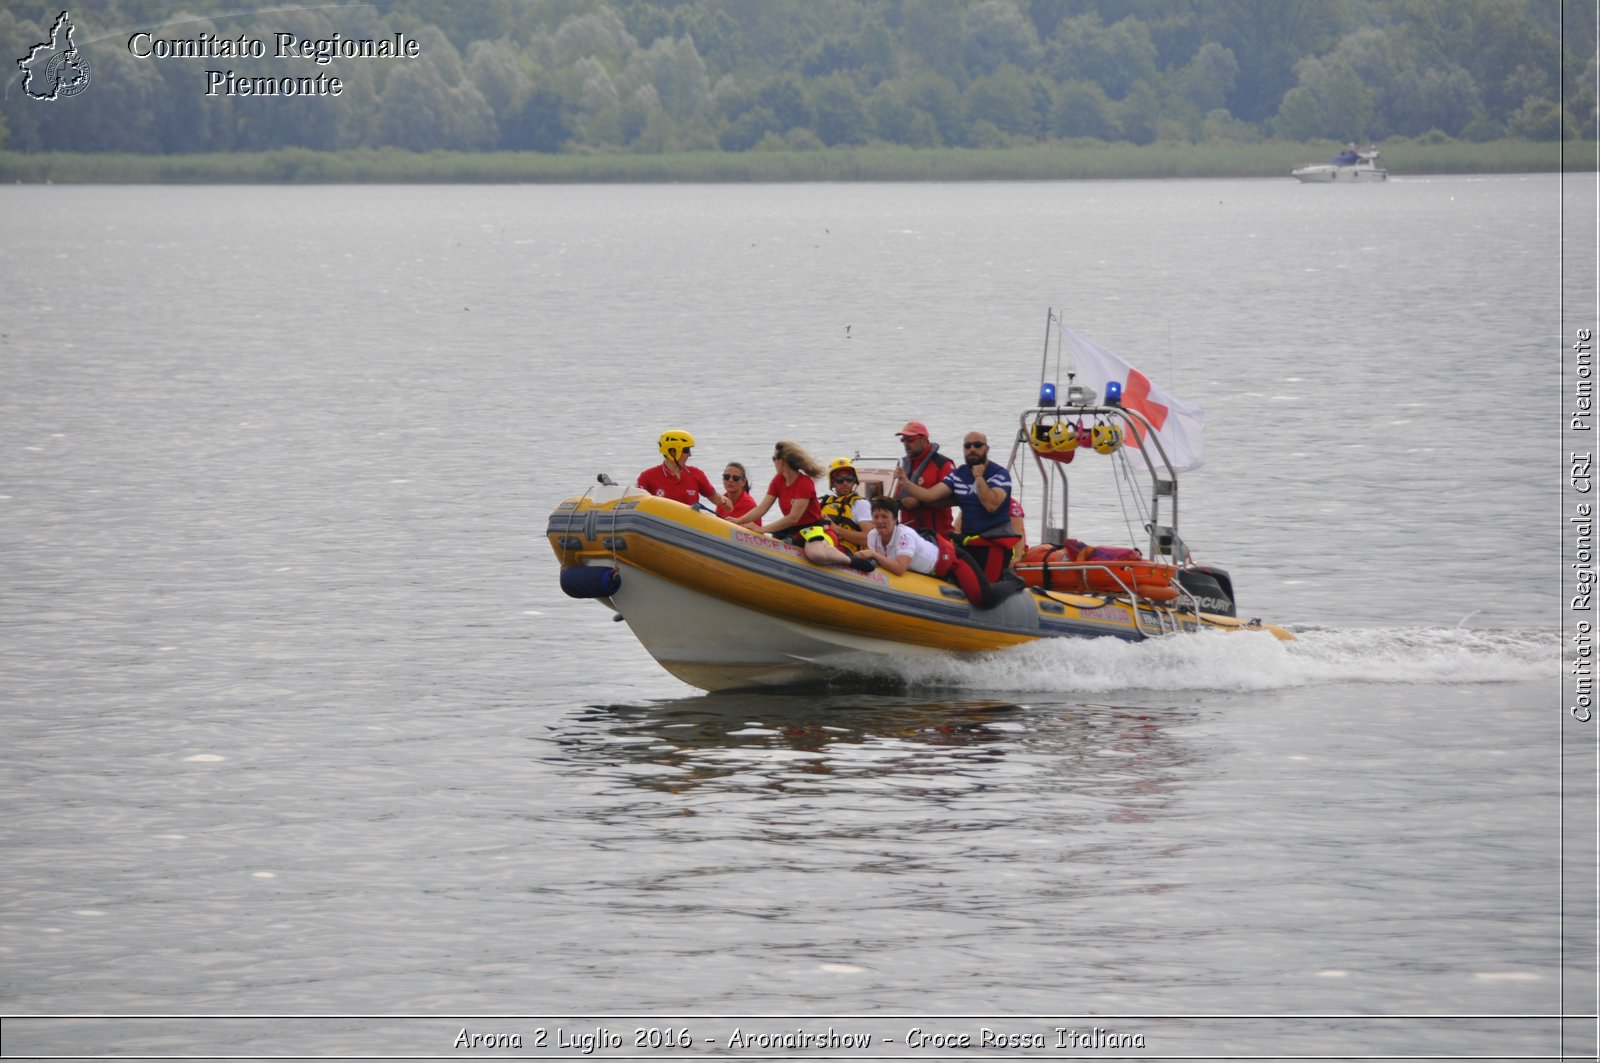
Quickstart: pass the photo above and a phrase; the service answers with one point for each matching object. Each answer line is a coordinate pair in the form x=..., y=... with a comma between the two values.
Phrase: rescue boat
x=725, y=607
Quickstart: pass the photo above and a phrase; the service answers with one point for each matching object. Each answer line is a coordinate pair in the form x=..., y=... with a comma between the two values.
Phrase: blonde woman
x=800, y=514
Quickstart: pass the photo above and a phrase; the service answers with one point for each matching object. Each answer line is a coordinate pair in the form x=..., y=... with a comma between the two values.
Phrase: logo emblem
x=55, y=69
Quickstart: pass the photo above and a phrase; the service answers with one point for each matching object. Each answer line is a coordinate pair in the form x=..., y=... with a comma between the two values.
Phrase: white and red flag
x=1179, y=425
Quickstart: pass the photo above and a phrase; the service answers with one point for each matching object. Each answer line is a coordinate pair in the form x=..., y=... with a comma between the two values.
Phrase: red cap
x=913, y=428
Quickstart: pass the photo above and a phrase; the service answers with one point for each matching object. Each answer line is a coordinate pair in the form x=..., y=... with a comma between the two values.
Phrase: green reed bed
x=1078, y=160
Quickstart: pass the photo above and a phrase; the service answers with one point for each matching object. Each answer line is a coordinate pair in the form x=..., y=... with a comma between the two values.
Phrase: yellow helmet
x=843, y=463
x=1039, y=438
x=1063, y=437
x=674, y=444
x=1107, y=437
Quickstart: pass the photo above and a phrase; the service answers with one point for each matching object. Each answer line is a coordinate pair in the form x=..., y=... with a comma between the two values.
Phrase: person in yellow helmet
x=847, y=513
x=675, y=478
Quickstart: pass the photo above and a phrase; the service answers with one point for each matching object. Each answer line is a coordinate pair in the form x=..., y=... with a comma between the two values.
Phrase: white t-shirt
x=924, y=555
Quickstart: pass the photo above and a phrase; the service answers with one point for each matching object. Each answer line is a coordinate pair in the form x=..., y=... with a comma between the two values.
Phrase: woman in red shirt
x=736, y=486
x=800, y=518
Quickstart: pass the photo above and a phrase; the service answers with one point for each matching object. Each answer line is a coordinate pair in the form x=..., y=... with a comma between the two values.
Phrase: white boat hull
x=722, y=607
x=1326, y=174
x=713, y=644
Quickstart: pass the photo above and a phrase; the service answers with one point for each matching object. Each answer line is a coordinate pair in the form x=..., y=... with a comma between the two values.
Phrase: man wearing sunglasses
x=675, y=478
x=925, y=466
x=982, y=488
x=847, y=513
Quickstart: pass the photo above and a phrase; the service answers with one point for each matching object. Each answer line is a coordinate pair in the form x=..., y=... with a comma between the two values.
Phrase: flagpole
x=1061, y=341
x=1044, y=366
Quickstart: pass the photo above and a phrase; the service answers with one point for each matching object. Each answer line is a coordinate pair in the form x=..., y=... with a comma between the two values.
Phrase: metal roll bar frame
x=1164, y=540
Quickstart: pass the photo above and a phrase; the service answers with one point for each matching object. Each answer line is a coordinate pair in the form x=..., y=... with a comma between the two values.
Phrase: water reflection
x=932, y=809
x=864, y=741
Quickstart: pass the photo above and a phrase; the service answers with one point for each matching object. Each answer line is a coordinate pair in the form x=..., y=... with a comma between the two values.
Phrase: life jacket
x=838, y=508
x=914, y=471
x=938, y=518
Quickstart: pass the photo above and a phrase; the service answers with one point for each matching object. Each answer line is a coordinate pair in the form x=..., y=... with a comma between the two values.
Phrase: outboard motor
x=1211, y=587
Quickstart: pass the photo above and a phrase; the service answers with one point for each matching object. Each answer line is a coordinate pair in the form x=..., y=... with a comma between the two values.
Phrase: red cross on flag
x=1179, y=425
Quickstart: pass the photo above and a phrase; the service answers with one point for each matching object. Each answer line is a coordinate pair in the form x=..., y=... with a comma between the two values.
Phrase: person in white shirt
x=895, y=547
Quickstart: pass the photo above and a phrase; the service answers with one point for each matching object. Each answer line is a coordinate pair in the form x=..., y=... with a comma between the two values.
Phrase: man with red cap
x=924, y=466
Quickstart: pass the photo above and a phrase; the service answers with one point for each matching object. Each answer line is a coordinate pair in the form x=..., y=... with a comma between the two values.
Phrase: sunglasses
x=844, y=479
x=973, y=446
x=731, y=476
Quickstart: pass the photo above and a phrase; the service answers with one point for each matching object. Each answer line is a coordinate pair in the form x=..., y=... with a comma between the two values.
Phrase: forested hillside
x=650, y=76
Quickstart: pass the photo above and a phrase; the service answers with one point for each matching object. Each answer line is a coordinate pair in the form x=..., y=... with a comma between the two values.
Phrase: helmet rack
x=1164, y=540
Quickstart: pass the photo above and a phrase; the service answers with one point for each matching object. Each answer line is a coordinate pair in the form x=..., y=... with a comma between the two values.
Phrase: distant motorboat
x=1348, y=165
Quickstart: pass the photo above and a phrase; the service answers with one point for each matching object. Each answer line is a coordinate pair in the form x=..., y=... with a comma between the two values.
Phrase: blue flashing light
x=1047, y=394
x=1113, y=392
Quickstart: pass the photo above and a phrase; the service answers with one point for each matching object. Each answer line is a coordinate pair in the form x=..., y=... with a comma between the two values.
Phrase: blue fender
x=584, y=581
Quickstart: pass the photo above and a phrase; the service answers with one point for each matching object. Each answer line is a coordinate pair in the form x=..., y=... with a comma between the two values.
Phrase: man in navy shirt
x=982, y=488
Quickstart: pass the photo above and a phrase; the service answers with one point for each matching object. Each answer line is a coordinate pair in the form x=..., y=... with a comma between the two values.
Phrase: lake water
x=298, y=725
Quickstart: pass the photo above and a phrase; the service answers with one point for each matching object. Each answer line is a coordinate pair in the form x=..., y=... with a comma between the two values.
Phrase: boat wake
x=1234, y=662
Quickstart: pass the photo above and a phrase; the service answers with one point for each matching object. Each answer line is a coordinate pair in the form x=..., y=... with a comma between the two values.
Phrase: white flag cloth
x=1178, y=424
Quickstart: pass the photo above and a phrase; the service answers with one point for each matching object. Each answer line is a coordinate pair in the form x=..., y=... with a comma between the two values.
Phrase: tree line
x=655, y=76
